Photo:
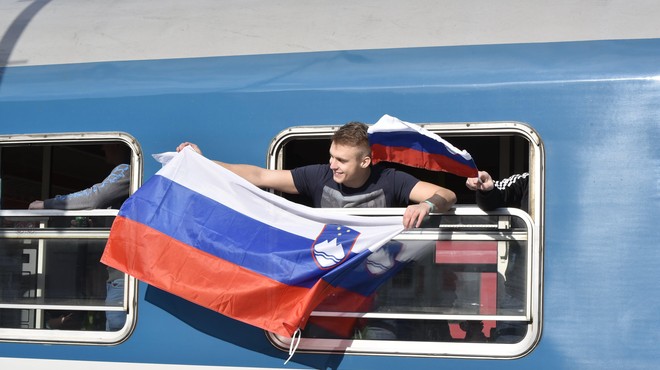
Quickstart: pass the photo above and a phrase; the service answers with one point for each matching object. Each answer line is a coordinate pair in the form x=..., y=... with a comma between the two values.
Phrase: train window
x=466, y=284
x=59, y=194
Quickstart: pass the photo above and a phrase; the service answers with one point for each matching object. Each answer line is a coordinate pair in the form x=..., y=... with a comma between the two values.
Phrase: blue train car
x=568, y=93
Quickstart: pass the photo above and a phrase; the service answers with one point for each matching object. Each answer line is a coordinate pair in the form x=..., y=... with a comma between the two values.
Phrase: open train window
x=59, y=194
x=467, y=284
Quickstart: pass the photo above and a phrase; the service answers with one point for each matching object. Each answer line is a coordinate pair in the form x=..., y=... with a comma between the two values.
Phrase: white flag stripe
x=223, y=186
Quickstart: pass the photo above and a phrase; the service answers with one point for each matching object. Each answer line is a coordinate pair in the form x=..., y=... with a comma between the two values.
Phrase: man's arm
x=429, y=198
x=113, y=189
x=509, y=192
x=279, y=180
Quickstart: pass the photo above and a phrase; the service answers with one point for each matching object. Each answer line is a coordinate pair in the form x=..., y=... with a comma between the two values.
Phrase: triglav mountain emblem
x=333, y=245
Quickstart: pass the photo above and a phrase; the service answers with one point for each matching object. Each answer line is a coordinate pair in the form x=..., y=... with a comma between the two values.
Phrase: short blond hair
x=353, y=134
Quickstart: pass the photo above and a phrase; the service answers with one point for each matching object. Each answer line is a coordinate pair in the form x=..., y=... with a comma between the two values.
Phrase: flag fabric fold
x=201, y=232
x=393, y=140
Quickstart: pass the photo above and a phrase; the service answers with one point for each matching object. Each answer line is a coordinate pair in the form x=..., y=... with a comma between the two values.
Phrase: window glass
x=59, y=196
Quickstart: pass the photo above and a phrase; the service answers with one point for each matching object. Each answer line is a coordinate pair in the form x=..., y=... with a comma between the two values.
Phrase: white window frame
x=44, y=335
x=535, y=238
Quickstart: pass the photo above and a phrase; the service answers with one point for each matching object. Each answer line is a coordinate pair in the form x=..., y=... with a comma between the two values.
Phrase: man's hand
x=185, y=144
x=415, y=214
x=484, y=182
x=37, y=204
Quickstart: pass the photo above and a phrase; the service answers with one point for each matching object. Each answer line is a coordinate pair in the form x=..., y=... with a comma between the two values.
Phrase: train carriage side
x=580, y=117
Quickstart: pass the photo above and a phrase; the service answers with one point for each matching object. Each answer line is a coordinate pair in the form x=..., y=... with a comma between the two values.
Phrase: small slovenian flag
x=393, y=140
x=203, y=233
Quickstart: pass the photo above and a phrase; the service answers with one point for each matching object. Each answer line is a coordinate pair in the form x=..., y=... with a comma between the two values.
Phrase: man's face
x=349, y=165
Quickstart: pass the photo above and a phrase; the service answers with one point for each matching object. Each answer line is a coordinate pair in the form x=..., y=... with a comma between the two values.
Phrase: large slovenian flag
x=201, y=232
x=402, y=142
